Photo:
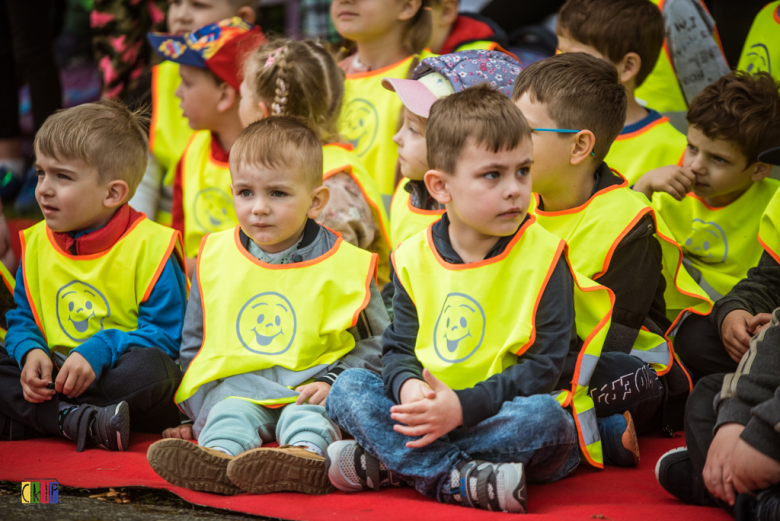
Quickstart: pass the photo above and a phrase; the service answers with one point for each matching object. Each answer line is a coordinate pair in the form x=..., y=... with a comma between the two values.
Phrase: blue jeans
x=535, y=431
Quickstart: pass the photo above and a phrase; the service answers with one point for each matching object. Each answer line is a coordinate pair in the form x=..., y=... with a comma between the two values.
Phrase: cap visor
x=174, y=48
x=770, y=157
x=414, y=95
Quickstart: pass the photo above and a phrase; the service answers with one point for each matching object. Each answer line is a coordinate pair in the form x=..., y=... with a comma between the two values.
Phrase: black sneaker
x=674, y=472
x=763, y=507
x=105, y=427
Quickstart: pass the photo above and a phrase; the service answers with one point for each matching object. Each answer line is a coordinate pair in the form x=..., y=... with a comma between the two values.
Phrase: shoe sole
x=123, y=434
x=658, y=463
x=633, y=441
x=184, y=464
x=265, y=471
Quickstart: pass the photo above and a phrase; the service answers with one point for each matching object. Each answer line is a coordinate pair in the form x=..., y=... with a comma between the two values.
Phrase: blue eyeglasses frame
x=561, y=131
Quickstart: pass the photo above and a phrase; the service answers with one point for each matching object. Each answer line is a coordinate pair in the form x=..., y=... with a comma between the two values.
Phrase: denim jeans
x=535, y=431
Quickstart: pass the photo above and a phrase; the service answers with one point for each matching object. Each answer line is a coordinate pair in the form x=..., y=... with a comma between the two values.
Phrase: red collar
x=217, y=152
x=466, y=29
x=102, y=238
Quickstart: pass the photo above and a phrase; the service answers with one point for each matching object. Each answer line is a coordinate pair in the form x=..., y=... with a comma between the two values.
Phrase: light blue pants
x=238, y=426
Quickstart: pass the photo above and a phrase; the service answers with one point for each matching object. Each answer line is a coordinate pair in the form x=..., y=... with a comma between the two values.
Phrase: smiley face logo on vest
x=459, y=329
x=360, y=124
x=266, y=324
x=213, y=210
x=758, y=59
x=707, y=242
x=81, y=310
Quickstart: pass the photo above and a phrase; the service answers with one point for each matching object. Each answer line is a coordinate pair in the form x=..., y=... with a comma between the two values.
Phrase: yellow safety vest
x=769, y=229
x=369, y=120
x=258, y=315
x=593, y=232
x=73, y=297
x=486, y=315
x=761, y=51
x=206, y=196
x=405, y=219
x=719, y=243
x=657, y=144
x=169, y=131
x=9, y=284
x=337, y=158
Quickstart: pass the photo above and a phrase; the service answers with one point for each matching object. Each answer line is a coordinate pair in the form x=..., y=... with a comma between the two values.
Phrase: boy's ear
x=409, y=10
x=247, y=14
x=228, y=97
x=628, y=67
x=436, y=183
x=264, y=110
x=319, y=199
x=117, y=193
x=449, y=11
x=760, y=171
x=583, y=144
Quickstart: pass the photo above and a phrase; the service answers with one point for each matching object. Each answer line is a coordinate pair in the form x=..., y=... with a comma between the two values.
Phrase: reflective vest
x=258, y=315
x=769, y=229
x=369, y=119
x=337, y=158
x=73, y=297
x=405, y=219
x=653, y=146
x=206, y=196
x=593, y=232
x=720, y=244
x=169, y=131
x=761, y=51
x=9, y=284
x=486, y=315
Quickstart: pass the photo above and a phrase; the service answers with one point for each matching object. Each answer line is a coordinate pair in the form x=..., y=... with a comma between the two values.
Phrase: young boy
x=484, y=314
x=100, y=288
x=170, y=131
x=576, y=106
x=453, y=31
x=210, y=62
x=714, y=201
x=269, y=327
x=629, y=34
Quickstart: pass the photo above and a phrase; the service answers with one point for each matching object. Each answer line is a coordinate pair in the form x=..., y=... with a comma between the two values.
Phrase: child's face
x=552, y=150
x=199, y=95
x=248, y=108
x=412, y=153
x=366, y=20
x=272, y=204
x=722, y=172
x=70, y=194
x=489, y=192
x=185, y=16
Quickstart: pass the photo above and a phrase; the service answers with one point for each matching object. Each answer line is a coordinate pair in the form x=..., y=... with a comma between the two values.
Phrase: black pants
x=699, y=346
x=26, y=56
x=144, y=377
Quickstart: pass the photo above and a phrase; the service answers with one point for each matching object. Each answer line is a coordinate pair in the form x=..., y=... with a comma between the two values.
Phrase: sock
x=220, y=449
x=65, y=409
x=311, y=447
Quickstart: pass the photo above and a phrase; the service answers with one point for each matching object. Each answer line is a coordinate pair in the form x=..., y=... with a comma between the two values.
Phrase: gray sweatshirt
x=278, y=382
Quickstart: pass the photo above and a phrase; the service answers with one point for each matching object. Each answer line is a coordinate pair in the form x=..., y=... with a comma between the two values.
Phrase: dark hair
x=581, y=92
x=480, y=113
x=615, y=28
x=740, y=107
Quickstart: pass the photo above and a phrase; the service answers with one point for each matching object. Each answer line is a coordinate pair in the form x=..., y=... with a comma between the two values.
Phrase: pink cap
x=414, y=95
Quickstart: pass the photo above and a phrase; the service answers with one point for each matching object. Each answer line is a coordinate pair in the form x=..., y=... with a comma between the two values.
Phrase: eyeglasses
x=561, y=131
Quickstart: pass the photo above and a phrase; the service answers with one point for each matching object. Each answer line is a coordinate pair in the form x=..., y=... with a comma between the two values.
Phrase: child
x=762, y=47
x=713, y=203
x=302, y=79
x=210, y=62
x=484, y=311
x=716, y=343
x=100, y=288
x=576, y=107
x=269, y=327
x=629, y=34
x=453, y=31
x=170, y=132
x=389, y=34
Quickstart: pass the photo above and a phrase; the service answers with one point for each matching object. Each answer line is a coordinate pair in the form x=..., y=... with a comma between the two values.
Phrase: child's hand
x=753, y=470
x=36, y=375
x=430, y=418
x=182, y=432
x=75, y=376
x=717, y=470
x=674, y=180
x=759, y=322
x=414, y=390
x=315, y=392
x=735, y=331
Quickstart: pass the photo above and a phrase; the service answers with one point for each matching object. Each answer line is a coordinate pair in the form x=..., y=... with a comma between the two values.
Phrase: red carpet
x=616, y=494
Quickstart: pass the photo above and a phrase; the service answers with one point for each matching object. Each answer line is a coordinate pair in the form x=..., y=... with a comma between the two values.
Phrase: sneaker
x=185, y=464
x=619, y=441
x=499, y=487
x=105, y=427
x=674, y=472
x=283, y=469
x=765, y=506
x=351, y=469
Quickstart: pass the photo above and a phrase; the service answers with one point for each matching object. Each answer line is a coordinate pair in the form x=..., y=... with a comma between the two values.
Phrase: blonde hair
x=280, y=141
x=299, y=79
x=105, y=135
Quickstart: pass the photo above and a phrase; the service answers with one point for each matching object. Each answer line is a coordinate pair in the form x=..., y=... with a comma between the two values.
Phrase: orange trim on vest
x=713, y=208
x=345, y=146
x=642, y=130
x=763, y=245
x=27, y=286
x=153, y=123
x=371, y=276
x=160, y=268
x=776, y=14
x=296, y=265
x=368, y=74
x=581, y=207
x=94, y=255
x=420, y=211
x=611, y=251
